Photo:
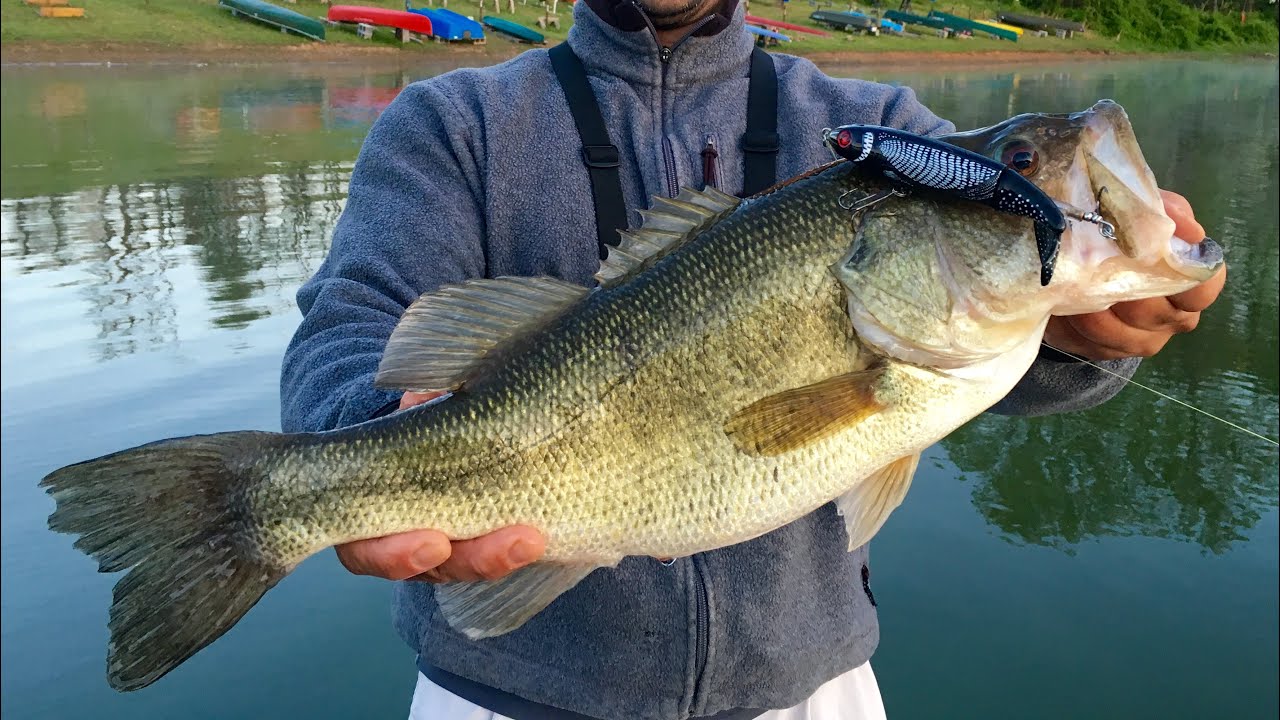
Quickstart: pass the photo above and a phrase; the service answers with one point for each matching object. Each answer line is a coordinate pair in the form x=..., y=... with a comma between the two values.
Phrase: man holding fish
x=442, y=193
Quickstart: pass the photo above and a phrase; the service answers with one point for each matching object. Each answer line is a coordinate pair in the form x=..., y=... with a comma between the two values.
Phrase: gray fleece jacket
x=477, y=173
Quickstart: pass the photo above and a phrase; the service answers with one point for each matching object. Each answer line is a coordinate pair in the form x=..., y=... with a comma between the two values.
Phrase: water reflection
x=249, y=242
x=210, y=200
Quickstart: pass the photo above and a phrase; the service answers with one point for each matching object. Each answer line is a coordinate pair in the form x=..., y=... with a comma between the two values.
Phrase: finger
x=410, y=399
x=492, y=556
x=1118, y=339
x=1066, y=338
x=1156, y=314
x=1184, y=219
x=395, y=557
x=1201, y=296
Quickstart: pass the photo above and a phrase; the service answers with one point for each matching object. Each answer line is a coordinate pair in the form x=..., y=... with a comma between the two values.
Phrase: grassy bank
x=198, y=30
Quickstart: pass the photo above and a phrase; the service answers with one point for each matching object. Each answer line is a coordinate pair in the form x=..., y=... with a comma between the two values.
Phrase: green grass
x=184, y=23
x=201, y=23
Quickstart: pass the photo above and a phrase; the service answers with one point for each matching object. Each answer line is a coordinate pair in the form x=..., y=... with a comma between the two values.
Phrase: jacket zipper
x=702, y=631
x=668, y=152
x=664, y=56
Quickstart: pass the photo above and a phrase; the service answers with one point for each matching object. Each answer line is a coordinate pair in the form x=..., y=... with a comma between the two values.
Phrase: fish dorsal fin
x=666, y=226
x=451, y=335
x=868, y=504
x=797, y=417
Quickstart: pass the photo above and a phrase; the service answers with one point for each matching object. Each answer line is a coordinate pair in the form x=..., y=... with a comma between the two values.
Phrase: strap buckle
x=760, y=142
x=600, y=156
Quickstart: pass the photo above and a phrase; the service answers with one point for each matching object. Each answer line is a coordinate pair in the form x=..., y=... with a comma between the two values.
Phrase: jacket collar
x=611, y=37
x=626, y=16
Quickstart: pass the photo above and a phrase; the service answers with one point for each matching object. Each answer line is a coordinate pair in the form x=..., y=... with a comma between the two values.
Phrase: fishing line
x=1224, y=421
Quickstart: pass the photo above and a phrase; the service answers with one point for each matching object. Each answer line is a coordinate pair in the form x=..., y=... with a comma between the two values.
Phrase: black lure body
x=920, y=163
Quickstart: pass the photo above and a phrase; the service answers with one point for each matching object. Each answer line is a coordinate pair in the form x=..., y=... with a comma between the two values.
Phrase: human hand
x=430, y=555
x=1142, y=327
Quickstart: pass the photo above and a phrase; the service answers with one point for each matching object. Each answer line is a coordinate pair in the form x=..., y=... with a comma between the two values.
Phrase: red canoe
x=412, y=22
x=757, y=20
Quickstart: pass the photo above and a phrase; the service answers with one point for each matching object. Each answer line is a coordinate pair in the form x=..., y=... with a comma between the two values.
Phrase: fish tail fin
x=167, y=512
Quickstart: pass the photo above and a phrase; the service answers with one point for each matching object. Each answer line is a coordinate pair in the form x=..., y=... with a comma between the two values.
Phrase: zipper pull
x=664, y=53
x=709, y=155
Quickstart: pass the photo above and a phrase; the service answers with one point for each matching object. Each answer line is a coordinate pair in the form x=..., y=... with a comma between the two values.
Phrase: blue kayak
x=762, y=32
x=449, y=25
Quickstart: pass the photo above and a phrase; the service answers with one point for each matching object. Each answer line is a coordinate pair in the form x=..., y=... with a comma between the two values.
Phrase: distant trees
x=1172, y=24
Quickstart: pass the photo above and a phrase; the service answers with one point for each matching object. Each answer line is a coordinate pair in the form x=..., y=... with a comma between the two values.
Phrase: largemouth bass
x=741, y=364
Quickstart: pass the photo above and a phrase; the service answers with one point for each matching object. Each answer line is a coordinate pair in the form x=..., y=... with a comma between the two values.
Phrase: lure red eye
x=844, y=139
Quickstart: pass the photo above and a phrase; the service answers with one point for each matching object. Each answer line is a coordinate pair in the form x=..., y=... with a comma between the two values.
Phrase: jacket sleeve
x=1056, y=382
x=413, y=221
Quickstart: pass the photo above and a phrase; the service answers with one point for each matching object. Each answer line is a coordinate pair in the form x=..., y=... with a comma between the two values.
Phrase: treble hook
x=867, y=201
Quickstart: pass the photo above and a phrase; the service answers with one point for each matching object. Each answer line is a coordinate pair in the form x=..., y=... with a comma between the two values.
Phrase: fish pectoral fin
x=795, y=418
x=487, y=608
x=453, y=334
x=867, y=506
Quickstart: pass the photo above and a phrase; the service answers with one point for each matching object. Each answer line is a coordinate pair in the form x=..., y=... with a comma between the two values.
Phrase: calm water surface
x=1116, y=563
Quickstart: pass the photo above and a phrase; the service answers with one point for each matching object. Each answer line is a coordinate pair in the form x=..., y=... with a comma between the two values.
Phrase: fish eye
x=844, y=139
x=1021, y=156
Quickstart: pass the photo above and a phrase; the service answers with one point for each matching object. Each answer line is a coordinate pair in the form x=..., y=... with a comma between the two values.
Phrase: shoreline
x=34, y=54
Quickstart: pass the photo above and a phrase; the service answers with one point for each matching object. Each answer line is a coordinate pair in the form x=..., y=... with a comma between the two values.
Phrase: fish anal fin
x=488, y=608
x=795, y=418
x=866, y=507
x=667, y=224
x=449, y=336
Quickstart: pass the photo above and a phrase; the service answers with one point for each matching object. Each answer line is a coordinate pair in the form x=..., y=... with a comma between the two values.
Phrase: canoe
x=1035, y=22
x=276, y=16
x=1015, y=30
x=779, y=25
x=449, y=25
x=907, y=18
x=766, y=33
x=955, y=22
x=383, y=17
x=842, y=20
x=514, y=30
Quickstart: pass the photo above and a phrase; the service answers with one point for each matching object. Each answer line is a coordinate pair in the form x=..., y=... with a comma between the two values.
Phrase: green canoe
x=286, y=20
x=519, y=32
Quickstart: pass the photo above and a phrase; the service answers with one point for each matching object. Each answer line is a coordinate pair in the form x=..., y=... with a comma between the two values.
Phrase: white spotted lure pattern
x=922, y=163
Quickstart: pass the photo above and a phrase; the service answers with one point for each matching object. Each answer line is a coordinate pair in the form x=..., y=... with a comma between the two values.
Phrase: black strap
x=598, y=153
x=760, y=143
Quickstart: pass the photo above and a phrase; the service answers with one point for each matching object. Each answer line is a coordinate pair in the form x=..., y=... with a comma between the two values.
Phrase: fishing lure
x=921, y=163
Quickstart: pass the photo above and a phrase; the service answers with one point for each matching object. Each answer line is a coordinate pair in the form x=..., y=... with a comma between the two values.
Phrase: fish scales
x=731, y=320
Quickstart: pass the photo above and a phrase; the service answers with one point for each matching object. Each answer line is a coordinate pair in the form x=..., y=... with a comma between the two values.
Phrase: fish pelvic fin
x=454, y=334
x=667, y=225
x=798, y=417
x=488, y=608
x=166, y=513
x=866, y=507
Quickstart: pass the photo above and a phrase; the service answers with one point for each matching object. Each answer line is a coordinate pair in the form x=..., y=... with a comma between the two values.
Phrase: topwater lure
x=921, y=163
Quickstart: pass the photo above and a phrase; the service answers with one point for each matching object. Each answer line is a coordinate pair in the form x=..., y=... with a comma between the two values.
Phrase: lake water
x=1117, y=563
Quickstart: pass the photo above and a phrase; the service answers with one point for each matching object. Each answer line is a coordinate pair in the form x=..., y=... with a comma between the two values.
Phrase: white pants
x=851, y=696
